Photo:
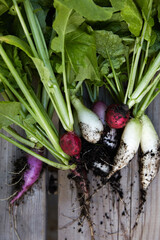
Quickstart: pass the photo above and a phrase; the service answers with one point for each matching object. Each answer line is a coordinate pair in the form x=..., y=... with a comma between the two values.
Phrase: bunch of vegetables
x=55, y=54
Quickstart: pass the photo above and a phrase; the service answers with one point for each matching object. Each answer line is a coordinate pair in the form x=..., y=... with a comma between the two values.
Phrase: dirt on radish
x=98, y=159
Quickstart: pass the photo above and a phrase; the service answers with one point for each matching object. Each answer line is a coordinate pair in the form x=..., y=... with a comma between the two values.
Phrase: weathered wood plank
x=110, y=222
x=30, y=216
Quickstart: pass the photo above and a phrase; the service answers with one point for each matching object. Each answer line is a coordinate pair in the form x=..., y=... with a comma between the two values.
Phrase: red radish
x=71, y=144
x=117, y=115
x=100, y=108
x=31, y=175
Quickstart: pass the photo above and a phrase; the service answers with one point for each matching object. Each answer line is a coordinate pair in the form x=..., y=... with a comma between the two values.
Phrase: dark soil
x=20, y=165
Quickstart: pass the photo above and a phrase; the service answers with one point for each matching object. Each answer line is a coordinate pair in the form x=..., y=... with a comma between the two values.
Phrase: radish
x=100, y=108
x=109, y=140
x=71, y=144
x=150, y=159
x=129, y=144
x=90, y=125
x=117, y=115
x=109, y=137
x=30, y=176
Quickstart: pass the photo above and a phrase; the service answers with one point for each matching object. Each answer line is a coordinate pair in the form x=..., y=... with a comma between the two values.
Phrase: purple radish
x=31, y=175
x=100, y=108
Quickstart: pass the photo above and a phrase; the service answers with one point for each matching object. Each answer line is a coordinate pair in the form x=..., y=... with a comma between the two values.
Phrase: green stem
x=149, y=88
x=66, y=89
x=111, y=93
x=90, y=93
x=41, y=139
x=43, y=159
x=144, y=63
x=95, y=91
x=146, y=102
x=25, y=28
x=118, y=83
x=19, y=138
x=9, y=93
x=35, y=30
x=136, y=56
x=145, y=81
x=64, y=76
x=78, y=86
x=41, y=119
x=50, y=110
x=4, y=95
x=5, y=81
x=127, y=61
x=54, y=91
x=112, y=85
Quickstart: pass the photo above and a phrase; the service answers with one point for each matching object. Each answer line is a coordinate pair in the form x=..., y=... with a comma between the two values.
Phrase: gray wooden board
x=28, y=219
x=107, y=210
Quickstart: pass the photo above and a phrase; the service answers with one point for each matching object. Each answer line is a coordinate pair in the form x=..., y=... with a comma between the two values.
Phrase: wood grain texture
x=29, y=218
x=107, y=210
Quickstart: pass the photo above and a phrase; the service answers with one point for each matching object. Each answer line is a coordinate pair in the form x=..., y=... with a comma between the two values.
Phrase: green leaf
x=60, y=26
x=107, y=41
x=8, y=110
x=81, y=52
x=4, y=6
x=88, y=9
x=143, y=5
x=17, y=42
x=130, y=14
x=156, y=46
x=66, y=21
x=76, y=43
x=29, y=120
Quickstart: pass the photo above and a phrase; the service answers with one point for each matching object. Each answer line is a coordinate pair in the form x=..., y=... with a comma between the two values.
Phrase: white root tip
x=150, y=146
x=129, y=144
x=149, y=168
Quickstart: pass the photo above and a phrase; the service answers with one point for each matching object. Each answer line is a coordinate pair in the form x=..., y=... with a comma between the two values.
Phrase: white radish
x=90, y=125
x=129, y=145
x=150, y=158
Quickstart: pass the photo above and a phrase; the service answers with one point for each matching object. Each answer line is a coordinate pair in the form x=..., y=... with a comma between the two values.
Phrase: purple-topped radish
x=31, y=175
x=117, y=115
x=100, y=108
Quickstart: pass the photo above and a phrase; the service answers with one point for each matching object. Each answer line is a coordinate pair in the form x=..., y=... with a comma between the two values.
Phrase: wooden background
x=30, y=217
